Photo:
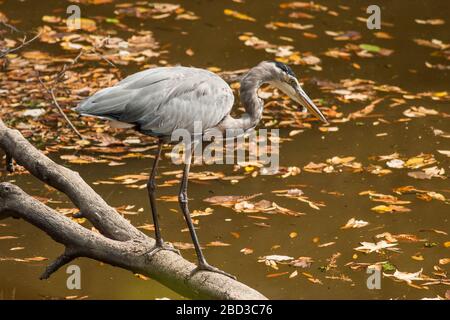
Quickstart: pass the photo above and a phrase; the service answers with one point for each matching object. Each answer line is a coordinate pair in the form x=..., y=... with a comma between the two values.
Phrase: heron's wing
x=162, y=100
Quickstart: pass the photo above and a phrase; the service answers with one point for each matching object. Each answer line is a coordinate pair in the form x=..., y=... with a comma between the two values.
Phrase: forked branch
x=119, y=243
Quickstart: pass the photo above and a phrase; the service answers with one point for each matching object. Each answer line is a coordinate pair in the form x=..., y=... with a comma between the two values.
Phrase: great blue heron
x=158, y=101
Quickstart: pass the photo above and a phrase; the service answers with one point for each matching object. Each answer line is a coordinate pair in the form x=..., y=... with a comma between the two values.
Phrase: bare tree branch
x=61, y=111
x=118, y=243
x=94, y=208
x=59, y=77
x=9, y=26
x=24, y=43
x=59, y=262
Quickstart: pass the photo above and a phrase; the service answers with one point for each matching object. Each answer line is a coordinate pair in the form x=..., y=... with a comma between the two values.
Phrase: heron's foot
x=163, y=246
x=207, y=267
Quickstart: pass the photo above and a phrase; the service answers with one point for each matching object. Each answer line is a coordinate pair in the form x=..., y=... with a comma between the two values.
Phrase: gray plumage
x=161, y=100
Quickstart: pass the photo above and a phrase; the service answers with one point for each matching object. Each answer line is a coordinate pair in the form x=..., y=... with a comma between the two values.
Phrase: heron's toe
x=164, y=246
x=210, y=268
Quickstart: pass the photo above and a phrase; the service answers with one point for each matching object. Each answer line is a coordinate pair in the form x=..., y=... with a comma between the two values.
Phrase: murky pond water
x=214, y=40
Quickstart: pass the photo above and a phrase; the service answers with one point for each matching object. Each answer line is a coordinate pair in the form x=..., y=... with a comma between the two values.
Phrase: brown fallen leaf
x=246, y=251
x=36, y=259
x=433, y=22
x=183, y=245
x=315, y=280
x=353, y=223
x=236, y=235
x=275, y=275
x=190, y=52
x=399, y=237
x=16, y=248
x=218, y=244
x=8, y=237
x=434, y=230
x=323, y=245
x=229, y=200
x=149, y=227
x=302, y=262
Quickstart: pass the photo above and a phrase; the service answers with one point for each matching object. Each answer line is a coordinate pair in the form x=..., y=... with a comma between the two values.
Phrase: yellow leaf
x=83, y=142
x=447, y=244
x=141, y=276
x=390, y=208
x=293, y=235
x=414, y=161
x=85, y=24
x=238, y=15
x=440, y=94
x=214, y=69
x=249, y=168
x=51, y=19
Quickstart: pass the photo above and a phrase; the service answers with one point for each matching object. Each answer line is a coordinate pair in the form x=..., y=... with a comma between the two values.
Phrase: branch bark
x=119, y=243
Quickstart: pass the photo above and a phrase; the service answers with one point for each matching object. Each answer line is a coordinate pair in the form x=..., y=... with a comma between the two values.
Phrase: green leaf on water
x=370, y=47
x=112, y=20
x=430, y=244
x=387, y=266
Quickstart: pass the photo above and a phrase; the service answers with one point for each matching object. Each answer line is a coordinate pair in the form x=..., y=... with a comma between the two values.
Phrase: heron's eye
x=292, y=82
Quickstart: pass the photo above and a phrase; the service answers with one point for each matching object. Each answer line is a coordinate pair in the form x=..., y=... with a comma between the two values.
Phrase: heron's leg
x=151, y=188
x=183, y=200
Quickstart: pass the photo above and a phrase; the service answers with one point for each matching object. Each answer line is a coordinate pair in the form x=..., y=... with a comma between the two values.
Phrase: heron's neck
x=252, y=104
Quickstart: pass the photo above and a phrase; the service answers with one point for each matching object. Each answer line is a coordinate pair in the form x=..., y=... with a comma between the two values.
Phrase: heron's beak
x=302, y=98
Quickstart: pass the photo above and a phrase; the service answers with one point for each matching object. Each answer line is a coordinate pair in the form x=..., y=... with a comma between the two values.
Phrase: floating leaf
x=370, y=47
x=406, y=276
x=390, y=209
x=238, y=15
x=353, y=223
x=369, y=247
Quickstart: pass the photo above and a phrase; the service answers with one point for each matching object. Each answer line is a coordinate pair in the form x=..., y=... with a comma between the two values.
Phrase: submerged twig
x=11, y=27
x=61, y=111
x=64, y=115
x=24, y=43
x=60, y=75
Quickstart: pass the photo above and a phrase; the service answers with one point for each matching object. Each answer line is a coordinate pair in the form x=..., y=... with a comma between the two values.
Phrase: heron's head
x=282, y=77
